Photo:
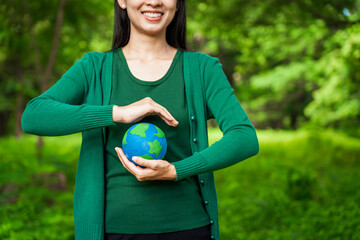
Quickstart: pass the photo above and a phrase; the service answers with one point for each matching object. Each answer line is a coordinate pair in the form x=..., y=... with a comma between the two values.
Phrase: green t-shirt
x=135, y=207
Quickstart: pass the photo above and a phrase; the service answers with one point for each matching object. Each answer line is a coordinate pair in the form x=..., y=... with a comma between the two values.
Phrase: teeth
x=152, y=14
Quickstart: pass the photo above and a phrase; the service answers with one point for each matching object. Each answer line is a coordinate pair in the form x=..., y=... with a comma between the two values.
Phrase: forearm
x=48, y=117
x=239, y=141
x=236, y=145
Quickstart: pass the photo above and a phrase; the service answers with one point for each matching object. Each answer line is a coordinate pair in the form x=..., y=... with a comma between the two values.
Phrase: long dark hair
x=175, y=32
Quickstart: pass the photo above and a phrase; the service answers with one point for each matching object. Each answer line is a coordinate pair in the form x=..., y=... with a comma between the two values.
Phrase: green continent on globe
x=155, y=147
x=160, y=133
x=124, y=139
x=147, y=157
x=140, y=130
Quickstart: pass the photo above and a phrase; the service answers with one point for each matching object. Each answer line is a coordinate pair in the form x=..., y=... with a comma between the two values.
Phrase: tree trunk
x=4, y=119
x=55, y=43
x=293, y=119
x=35, y=44
x=19, y=105
x=45, y=81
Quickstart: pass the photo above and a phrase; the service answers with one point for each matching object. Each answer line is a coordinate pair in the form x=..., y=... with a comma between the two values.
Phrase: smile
x=152, y=15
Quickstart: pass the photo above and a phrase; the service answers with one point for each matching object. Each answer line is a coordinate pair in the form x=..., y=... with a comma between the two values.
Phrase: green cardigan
x=79, y=102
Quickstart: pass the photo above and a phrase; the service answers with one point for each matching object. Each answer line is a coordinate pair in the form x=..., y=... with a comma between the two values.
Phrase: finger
x=131, y=167
x=145, y=162
x=165, y=115
x=161, y=114
x=171, y=122
x=161, y=111
x=153, y=108
x=122, y=158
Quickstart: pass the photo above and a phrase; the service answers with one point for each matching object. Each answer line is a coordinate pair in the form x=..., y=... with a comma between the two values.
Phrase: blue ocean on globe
x=144, y=140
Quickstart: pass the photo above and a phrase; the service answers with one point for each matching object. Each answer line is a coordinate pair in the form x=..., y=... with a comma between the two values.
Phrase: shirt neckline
x=143, y=82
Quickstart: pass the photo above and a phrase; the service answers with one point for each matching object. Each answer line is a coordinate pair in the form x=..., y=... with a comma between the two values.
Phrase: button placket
x=193, y=131
x=192, y=118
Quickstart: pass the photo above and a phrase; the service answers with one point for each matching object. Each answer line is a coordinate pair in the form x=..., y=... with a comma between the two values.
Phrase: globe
x=144, y=140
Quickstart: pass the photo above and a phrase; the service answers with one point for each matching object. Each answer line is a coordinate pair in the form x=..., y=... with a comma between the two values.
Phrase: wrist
x=172, y=172
x=115, y=114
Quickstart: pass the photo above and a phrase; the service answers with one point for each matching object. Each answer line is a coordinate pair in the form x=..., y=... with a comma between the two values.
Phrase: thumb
x=143, y=162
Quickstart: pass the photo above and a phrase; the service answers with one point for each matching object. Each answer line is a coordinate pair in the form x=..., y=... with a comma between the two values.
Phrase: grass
x=301, y=185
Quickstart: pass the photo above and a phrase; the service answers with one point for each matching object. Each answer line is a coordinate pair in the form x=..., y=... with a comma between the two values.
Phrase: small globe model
x=144, y=140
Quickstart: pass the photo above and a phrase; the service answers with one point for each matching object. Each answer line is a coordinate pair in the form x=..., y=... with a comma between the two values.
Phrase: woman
x=148, y=76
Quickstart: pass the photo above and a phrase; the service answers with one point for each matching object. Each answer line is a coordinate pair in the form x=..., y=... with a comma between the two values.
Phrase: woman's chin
x=153, y=31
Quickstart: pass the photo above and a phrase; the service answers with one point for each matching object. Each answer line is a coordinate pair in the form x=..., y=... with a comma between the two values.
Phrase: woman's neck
x=147, y=48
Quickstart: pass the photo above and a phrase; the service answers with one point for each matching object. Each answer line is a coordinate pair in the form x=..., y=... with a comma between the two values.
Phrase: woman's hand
x=140, y=109
x=154, y=169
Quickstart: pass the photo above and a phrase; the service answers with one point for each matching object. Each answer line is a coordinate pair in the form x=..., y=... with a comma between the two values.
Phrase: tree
x=40, y=40
x=281, y=52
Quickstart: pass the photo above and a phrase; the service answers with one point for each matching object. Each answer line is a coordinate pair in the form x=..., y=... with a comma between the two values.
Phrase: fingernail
x=134, y=158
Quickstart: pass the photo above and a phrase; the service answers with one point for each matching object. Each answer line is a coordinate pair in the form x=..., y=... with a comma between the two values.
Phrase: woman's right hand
x=138, y=110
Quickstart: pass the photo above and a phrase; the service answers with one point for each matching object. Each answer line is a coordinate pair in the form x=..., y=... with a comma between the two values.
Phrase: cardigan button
x=192, y=118
x=202, y=182
x=206, y=202
x=211, y=222
x=195, y=140
x=212, y=237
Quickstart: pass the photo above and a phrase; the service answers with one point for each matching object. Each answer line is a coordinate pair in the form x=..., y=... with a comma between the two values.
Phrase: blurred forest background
x=294, y=66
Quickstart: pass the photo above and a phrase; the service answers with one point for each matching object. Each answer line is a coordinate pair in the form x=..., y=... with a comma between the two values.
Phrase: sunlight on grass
x=301, y=185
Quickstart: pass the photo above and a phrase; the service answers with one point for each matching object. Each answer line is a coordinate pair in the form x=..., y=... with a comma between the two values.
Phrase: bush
x=301, y=185
x=37, y=194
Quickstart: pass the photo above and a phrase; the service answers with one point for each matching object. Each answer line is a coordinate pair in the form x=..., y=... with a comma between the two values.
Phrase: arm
x=61, y=109
x=239, y=141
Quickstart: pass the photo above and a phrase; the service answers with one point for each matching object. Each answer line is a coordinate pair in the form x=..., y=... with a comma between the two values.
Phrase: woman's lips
x=153, y=16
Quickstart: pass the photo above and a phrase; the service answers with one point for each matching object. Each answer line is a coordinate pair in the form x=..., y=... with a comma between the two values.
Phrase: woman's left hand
x=154, y=169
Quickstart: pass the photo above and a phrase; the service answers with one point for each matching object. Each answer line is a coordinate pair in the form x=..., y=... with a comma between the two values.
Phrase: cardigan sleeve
x=239, y=140
x=61, y=109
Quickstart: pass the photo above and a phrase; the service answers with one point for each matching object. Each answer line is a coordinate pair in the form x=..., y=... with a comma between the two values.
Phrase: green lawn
x=302, y=185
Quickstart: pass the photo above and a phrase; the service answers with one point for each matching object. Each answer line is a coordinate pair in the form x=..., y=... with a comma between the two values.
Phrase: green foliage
x=290, y=61
x=338, y=101
x=302, y=185
x=37, y=195
x=26, y=37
